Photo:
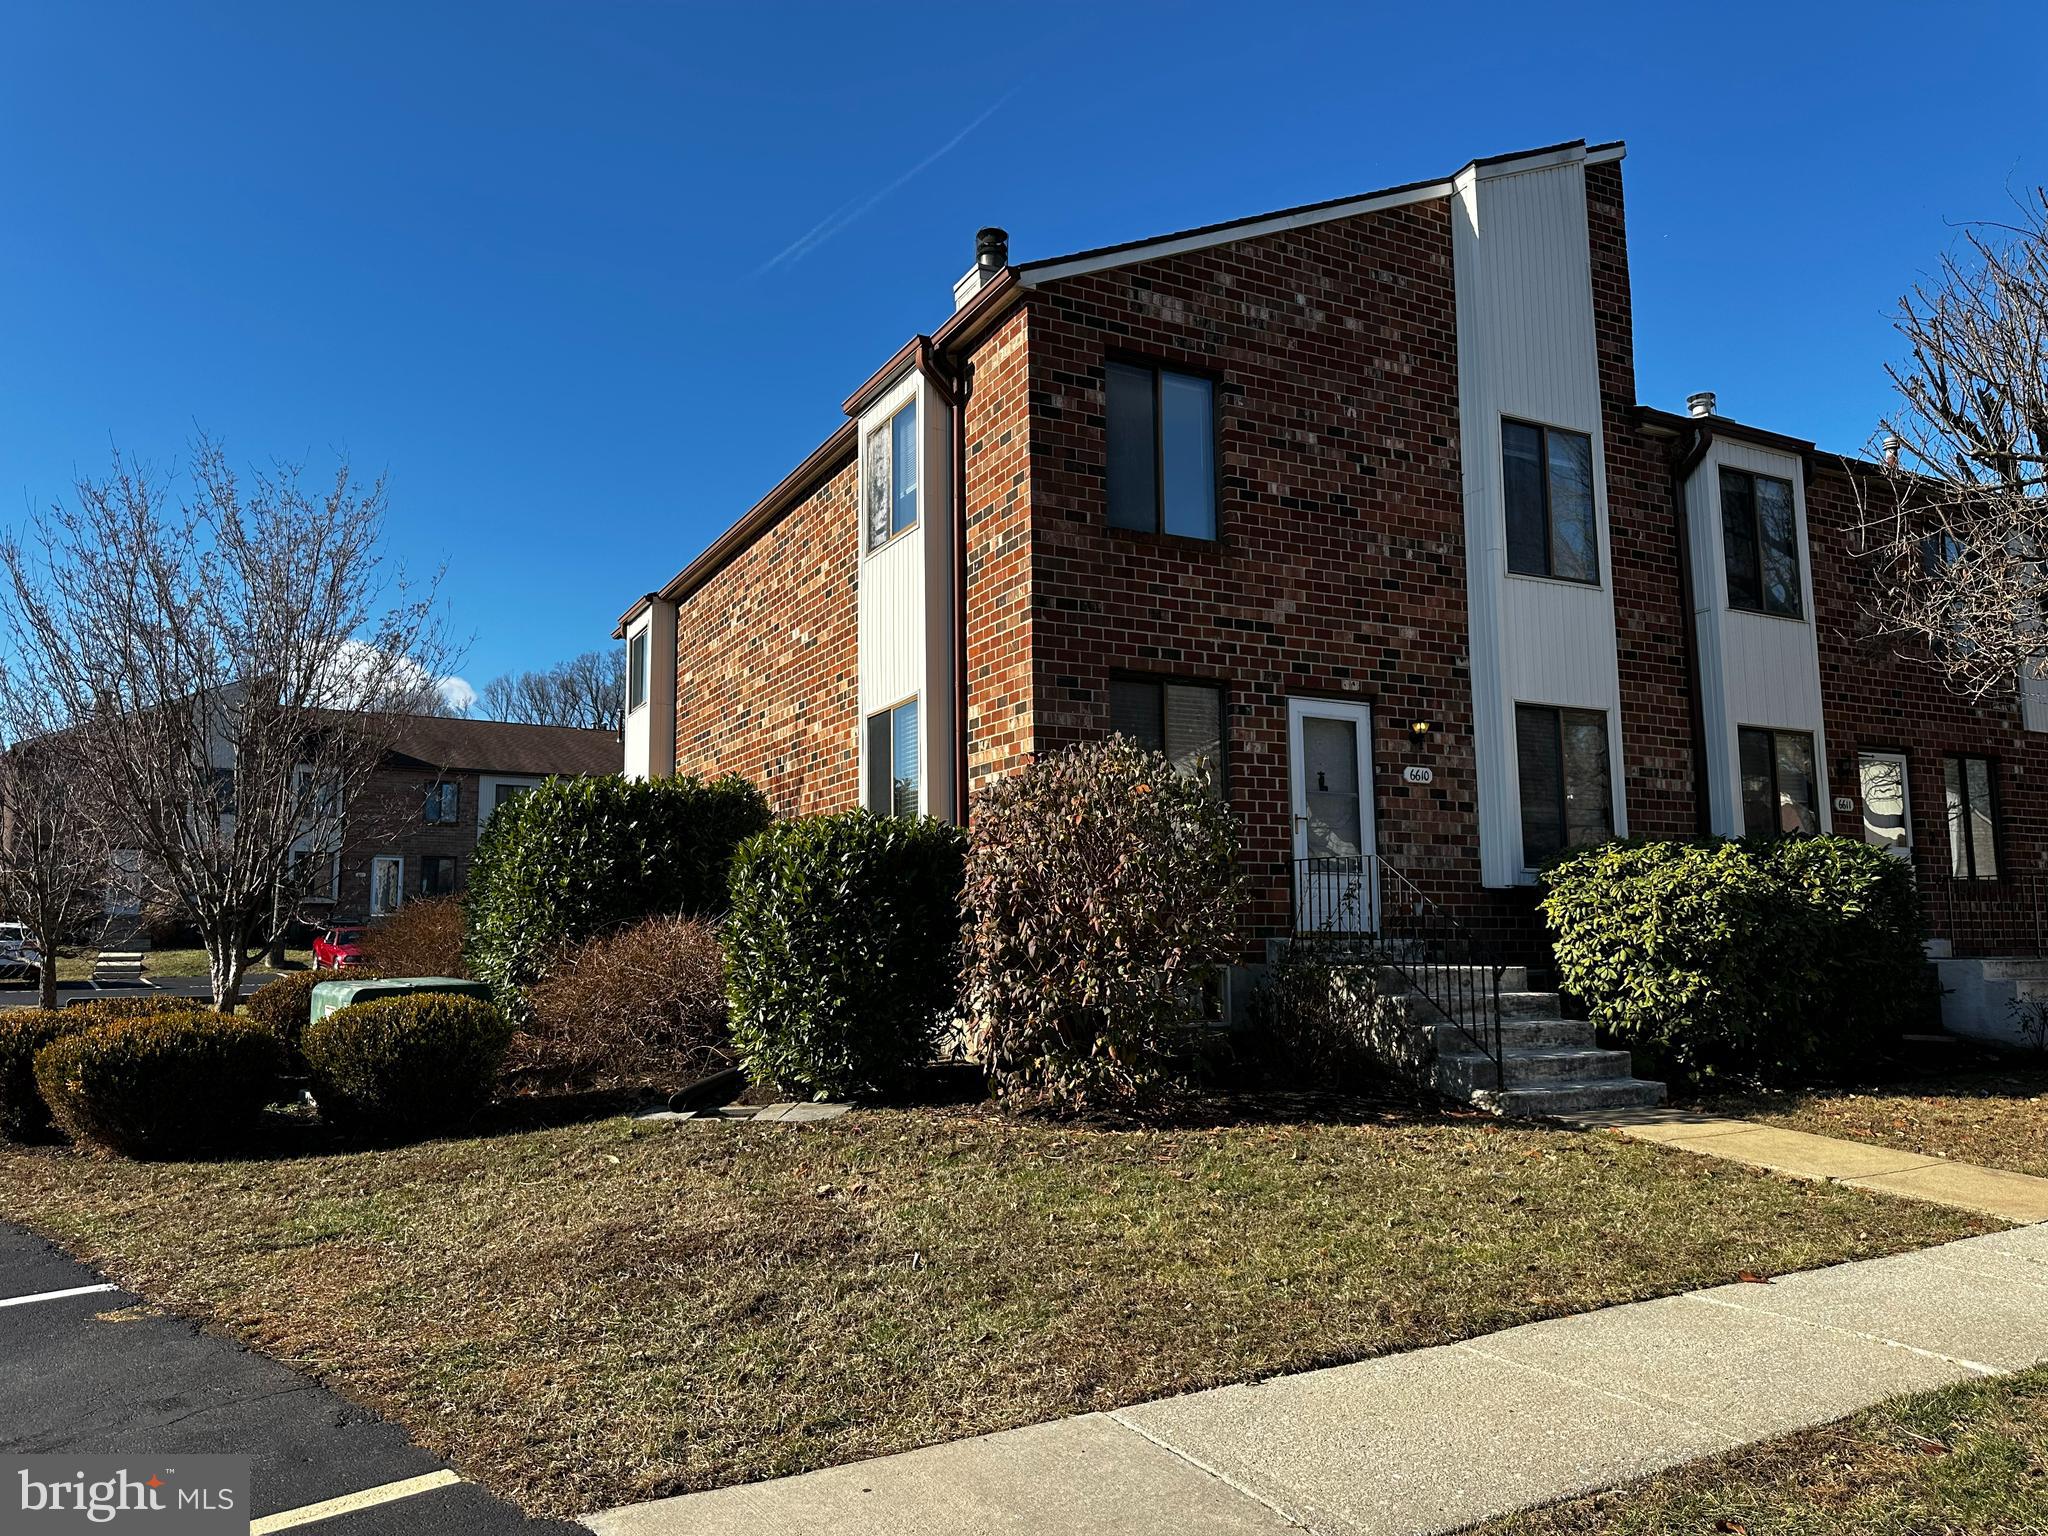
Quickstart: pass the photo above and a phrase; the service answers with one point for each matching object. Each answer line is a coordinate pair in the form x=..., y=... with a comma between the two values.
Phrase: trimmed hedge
x=577, y=858
x=161, y=1085
x=285, y=1004
x=406, y=1065
x=24, y=1031
x=841, y=949
x=1103, y=890
x=1766, y=960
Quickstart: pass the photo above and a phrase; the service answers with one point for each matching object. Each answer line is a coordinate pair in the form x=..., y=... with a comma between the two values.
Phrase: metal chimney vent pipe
x=1700, y=404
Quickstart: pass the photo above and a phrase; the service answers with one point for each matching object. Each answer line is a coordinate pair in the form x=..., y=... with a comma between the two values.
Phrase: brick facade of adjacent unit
x=766, y=686
x=389, y=818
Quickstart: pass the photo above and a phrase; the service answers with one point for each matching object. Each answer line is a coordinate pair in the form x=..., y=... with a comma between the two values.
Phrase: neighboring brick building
x=411, y=832
x=1356, y=500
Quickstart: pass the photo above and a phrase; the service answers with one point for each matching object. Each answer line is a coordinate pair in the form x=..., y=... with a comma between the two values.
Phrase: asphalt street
x=95, y=1373
x=23, y=994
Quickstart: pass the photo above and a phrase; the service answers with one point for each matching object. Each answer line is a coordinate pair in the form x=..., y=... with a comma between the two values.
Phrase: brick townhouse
x=1357, y=501
x=412, y=830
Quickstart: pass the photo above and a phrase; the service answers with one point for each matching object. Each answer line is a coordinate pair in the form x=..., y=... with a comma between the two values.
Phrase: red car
x=338, y=947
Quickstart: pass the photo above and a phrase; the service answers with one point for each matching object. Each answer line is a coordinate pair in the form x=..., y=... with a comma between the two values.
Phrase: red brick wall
x=1000, y=546
x=1339, y=571
x=766, y=686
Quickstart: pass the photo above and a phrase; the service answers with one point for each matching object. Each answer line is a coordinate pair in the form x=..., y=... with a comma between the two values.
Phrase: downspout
x=953, y=389
x=1696, y=713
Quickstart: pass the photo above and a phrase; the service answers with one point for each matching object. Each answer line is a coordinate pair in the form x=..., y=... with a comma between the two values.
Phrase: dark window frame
x=1164, y=680
x=1543, y=431
x=1756, y=543
x=1773, y=732
x=1558, y=714
x=438, y=793
x=1998, y=850
x=639, y=669
x=435, y=860
x=885, y=429
x=887, y=715
x=1158, y=367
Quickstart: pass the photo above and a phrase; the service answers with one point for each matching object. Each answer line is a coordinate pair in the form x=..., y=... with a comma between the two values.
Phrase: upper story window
x=1760, y=543
x=1547, y=479
x=637, y=650
x=1182, y=721
x=892, y=761
x=1972, y=817
x=1780, y=793
x=1567, y=787
x=1162, y=450
x=443, y=804
x=892, y=476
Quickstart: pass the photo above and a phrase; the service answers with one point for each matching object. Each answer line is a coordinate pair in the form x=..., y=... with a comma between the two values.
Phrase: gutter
x=1682, y=467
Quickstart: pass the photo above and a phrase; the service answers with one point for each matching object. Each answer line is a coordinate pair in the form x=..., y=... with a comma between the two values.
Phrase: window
x=892, y=477
x=1972, y=817
x=437, y=876
x=1567, y=794
x=1887, y=818
x=1780, y=796
x=387, y=885
x=892, y=761
x=636, y=670
x=1182, y=720
x=443, y=804
x=1760, y=543
x=1161, y=427
x=504, y=794
x=1547, y=479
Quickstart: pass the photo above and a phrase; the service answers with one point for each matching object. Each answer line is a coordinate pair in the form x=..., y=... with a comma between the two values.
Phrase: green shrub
x=161, y=1085
x=1102, y=893
x=23, y=1032
x=576, y=858
x=422, y=938
x=842, y=949
x=140, y=1005
x=640, y=1008
x=285, y=1004
x=406, y=1065
x=1771, y=961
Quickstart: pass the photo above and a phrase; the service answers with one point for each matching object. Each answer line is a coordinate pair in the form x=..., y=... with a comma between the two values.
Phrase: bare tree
x=1956, y=517
x=239, y=658
x=53, y=851
x=587, y=690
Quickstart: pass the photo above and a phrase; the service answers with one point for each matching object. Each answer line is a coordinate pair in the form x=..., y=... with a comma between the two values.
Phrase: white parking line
x=76, y=1290
x=349, y=1503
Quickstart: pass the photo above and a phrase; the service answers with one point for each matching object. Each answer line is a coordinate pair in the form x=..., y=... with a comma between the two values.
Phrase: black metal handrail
x=1996, y=917
x=1364, y=901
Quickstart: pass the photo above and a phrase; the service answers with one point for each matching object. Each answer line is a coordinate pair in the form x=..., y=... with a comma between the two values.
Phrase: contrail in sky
x=853, y=208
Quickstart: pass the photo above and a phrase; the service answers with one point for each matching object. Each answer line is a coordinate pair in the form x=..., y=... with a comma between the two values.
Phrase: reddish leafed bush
x=422, y=938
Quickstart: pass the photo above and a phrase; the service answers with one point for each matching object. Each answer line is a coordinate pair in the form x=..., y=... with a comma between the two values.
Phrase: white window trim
x=642, y=637
x=1903, y=850
x=487, y=792
x=386, y=858
x=878, y=417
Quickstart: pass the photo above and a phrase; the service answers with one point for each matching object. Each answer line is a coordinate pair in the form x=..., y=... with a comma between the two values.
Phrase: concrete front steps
x=1550, y=1065
x=1988, y=999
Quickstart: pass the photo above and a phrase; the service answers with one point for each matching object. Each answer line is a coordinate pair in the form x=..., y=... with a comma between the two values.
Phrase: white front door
x=387, y=885
x=1329, y=753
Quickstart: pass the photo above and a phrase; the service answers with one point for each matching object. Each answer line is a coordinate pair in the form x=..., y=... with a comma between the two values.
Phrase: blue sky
x=525, y=257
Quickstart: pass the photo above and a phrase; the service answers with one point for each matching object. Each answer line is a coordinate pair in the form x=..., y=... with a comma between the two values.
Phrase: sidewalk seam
x=1657, y=1406
x=1975, y=1366
x=1116, y=1416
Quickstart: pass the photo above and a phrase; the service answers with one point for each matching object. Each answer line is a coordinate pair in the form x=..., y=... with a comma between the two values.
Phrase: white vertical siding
x=1526, y=349
x=1755, y=669
x=649, y=733
x=903, y=647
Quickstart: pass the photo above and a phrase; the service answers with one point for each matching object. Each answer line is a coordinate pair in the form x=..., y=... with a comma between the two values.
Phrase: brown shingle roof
x=500, y=746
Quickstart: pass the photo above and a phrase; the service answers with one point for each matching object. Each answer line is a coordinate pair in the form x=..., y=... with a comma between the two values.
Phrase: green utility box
x=330, y=995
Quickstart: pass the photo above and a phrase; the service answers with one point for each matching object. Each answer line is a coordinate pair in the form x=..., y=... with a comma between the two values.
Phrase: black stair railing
x=1364, y=904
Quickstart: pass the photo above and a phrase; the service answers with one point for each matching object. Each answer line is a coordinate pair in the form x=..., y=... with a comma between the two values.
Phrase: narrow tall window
x=1567, y=788
x=1547, y=480
x=1183, y=721
x=1760, y=544
x=1887, y=811
x=636, y=670
x=892, y=761
x=1972, y=817
x=1780, y=793
x=1161, y=427
x=891, y=493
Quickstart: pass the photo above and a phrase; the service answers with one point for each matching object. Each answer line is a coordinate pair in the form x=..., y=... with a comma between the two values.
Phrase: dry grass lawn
x=611, y=1311
x=1968, y=1461
x=1996, y=1118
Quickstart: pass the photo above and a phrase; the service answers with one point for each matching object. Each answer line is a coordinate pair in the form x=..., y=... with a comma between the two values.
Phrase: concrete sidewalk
x=2014, y=1197
x=1440, y=1438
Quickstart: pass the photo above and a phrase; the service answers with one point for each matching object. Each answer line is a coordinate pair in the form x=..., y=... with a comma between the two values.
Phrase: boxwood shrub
x=285, y=1004
x=162, y=1084
x=577, y=858
x=23, y=1032
x=1761, y=960
x=842, y=949
x=406, y=1065
x=1103, y=890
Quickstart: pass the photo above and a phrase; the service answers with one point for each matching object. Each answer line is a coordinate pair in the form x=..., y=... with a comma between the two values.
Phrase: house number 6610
x=1419, y=775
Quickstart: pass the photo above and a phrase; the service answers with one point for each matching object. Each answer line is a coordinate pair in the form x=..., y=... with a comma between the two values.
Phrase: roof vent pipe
x=991, y=250
x=1700, y=404
x=1892, y=445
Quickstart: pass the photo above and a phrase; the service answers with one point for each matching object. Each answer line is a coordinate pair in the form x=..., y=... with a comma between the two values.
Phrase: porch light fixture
x=1420, y=728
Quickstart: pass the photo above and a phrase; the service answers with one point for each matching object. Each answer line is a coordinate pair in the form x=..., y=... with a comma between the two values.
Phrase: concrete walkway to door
x=1441, y=1438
